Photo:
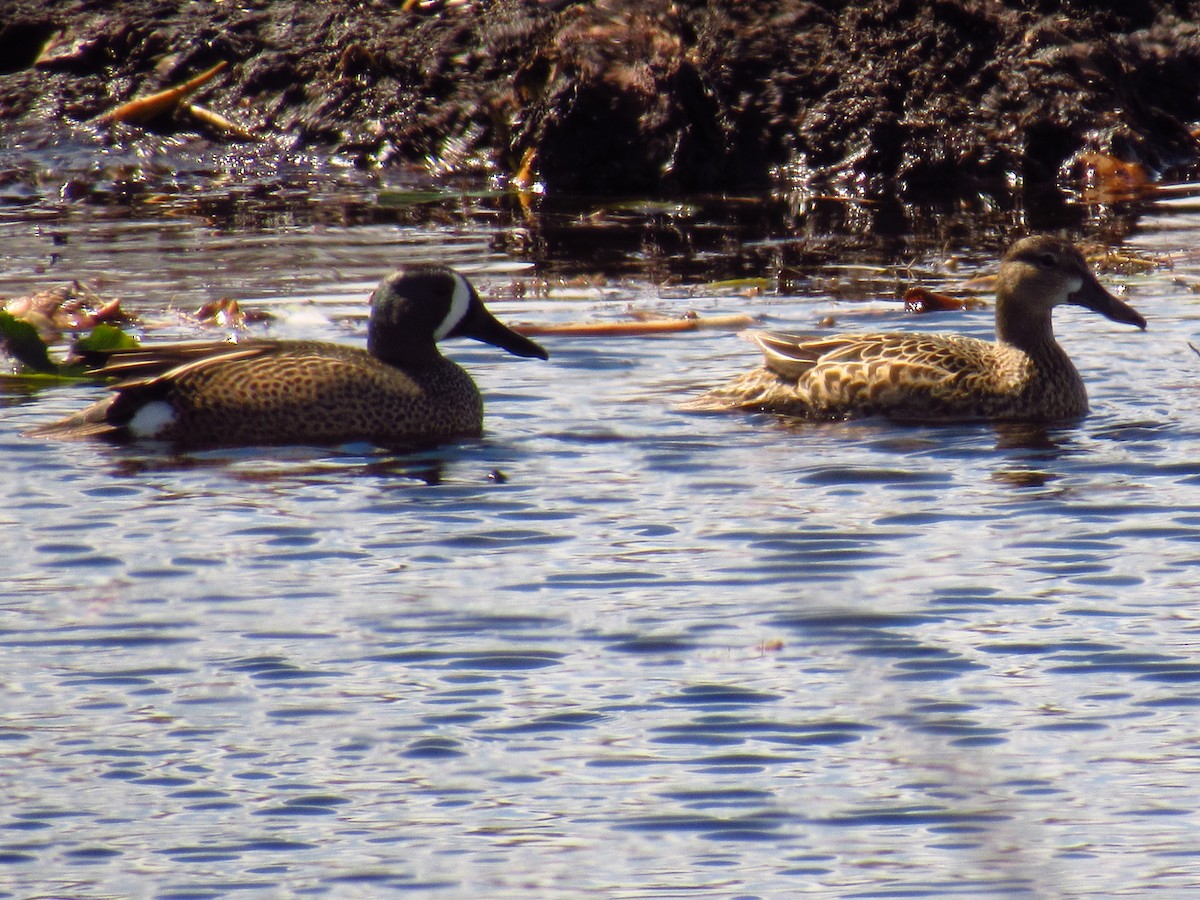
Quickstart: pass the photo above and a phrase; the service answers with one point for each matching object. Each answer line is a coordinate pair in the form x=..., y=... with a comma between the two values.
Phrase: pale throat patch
x=151, y=419
x=460, y=302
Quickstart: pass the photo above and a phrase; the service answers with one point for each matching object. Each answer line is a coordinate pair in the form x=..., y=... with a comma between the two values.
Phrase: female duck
x=1023, y=375
x=400, y=391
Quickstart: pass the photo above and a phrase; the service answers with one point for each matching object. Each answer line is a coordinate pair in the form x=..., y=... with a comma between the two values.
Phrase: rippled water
x=612, y=648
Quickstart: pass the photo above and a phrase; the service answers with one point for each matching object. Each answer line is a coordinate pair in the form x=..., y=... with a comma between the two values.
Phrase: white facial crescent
x=460, y=302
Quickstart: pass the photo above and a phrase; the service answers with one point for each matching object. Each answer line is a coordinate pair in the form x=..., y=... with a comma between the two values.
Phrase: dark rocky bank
x=868, y=99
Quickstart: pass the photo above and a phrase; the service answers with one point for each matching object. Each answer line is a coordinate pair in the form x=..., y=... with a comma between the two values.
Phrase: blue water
x=612, y=648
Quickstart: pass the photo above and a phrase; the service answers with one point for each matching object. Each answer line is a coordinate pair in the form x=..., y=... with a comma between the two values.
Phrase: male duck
x=1023, y=375
x=400, y=391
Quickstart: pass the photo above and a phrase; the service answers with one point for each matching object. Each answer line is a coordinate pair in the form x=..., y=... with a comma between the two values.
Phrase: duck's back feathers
x=156, y=359
x=795, y=356
x=898, y=374
x=273, y=392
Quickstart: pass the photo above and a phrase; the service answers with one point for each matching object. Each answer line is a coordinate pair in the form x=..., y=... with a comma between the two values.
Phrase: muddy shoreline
x=879, y=99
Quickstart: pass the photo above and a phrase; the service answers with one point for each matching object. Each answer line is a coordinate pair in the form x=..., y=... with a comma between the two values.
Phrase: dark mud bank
x=868, y=99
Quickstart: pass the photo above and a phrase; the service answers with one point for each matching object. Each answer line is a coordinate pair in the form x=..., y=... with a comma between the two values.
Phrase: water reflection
x=300, y=463
x=1030, y=436
x=1032, y=450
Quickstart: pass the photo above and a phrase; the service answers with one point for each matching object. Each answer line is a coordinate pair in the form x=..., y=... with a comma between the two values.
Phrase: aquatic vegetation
x=23, y=343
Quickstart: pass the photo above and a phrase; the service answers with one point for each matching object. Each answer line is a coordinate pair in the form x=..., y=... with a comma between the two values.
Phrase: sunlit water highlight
x=611, y=647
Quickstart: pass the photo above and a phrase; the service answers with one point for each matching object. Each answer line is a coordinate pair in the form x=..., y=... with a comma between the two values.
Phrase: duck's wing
x=141, y=374
x=907, y=375
x=922, y=356
x=791, y=355
x=145, y=363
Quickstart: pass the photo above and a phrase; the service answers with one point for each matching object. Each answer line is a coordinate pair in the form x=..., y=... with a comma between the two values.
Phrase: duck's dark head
x=1042, y=271
x=419, y=305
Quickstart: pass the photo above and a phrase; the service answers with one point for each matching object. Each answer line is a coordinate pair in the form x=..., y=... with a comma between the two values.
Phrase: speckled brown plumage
x=1023, y=375
x=399, y=392
x=289, y=392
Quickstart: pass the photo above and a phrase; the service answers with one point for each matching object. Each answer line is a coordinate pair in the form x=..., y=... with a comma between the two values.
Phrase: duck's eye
x=1047, y=260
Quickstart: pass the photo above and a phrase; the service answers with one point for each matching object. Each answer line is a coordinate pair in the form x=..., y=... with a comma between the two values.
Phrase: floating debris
x=30, y=324
x=921, y=300
x=746, y=287
x=22, y=342
x=228, y=313
x=172, y=102
x=985, y=284
x=647, y=325
x=143, y=109
x=524, y=179
x=68, y=307
x=1123, y=262
x=219, y=123
x=64, y=48
x=1106, y=179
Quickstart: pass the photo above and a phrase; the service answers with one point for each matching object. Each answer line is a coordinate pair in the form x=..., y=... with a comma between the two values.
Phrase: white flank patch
x=152, y=418
x=460, y=302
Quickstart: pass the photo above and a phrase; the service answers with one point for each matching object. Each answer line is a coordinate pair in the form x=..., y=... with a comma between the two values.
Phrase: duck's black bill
x=483, y=326
x=1093, y=296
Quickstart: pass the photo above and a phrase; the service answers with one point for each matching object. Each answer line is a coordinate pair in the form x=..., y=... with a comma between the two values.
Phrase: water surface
x=611, y=647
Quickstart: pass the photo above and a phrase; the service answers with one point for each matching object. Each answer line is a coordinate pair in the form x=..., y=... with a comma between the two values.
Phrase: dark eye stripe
x=1041, y=259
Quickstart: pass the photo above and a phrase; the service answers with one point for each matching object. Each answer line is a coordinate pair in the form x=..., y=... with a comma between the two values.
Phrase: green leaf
x=394, y=198
x=25, y=344
x=105, y=339
x=67, y=375
x=738, y=284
